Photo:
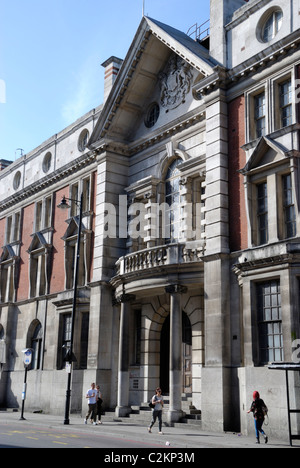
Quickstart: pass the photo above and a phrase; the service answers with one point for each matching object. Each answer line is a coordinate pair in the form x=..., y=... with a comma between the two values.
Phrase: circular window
x=83, y=140
x=47, y=162
x=17, y=180
x=152, y=115
x=270, y=24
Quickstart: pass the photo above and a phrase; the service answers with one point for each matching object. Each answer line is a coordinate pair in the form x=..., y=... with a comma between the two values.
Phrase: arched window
x=172, y=199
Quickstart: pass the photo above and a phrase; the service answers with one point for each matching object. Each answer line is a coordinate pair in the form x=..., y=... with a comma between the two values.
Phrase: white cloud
x=85, y=91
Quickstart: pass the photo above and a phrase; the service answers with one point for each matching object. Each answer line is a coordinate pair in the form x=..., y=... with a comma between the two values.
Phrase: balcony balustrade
x=161, y=256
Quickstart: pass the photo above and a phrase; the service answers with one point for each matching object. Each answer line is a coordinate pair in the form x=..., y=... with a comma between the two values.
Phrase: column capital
x=176, y=289
x=123, y=298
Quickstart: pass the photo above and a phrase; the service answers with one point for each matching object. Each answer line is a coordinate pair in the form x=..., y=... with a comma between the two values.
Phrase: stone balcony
x=164, y=256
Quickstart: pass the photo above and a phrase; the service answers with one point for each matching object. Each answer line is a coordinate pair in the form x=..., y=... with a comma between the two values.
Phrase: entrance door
x=186, y=355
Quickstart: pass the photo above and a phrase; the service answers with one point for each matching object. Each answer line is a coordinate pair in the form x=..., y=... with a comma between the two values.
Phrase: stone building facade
x=190, y=251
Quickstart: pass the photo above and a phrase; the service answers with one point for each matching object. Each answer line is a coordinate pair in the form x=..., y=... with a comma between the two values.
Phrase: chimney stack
x=112, y=67
x=4, y=164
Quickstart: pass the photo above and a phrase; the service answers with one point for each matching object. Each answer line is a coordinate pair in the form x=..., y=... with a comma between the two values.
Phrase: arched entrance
x=186, y=355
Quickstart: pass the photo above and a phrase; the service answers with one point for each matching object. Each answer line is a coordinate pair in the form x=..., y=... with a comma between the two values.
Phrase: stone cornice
x=224, y=78
x=60, y=174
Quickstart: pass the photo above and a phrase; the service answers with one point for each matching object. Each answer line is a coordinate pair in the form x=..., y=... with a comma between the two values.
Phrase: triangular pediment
x=7, y=254
x=267, y=152
x=72, y=229
x=161, y=66
x=38, y=242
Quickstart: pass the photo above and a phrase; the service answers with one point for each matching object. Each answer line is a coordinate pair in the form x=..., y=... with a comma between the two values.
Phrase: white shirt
x=92, y=394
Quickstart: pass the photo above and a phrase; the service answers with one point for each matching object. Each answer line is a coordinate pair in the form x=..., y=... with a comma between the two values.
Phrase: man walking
x=91, y=395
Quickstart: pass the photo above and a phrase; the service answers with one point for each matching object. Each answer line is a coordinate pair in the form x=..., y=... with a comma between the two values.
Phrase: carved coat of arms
x=175, y=83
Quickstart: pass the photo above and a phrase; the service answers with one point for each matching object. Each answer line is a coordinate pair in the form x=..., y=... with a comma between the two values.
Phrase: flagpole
x=143, y=8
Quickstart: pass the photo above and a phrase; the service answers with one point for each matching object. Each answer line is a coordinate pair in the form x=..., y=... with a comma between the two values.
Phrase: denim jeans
x=258, y=427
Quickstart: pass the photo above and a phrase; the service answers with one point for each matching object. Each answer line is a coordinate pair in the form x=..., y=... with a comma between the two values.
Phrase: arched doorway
x=186, y=355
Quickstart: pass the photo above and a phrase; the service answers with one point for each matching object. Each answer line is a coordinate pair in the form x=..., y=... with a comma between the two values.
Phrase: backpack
x=259, y=409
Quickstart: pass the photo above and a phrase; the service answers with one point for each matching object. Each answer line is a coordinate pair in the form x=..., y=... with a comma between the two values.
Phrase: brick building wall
x=236, y=161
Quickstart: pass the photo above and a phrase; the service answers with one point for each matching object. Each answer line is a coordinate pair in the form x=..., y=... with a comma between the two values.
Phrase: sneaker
x=149, y=430
x=85, y=421
x=266, y=439
x=160, y=432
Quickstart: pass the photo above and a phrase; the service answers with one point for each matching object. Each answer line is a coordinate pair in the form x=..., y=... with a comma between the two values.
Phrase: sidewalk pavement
x=172, y=437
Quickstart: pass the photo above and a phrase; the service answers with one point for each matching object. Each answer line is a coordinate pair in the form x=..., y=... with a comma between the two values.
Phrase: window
x=17, y=180
x=43, y=214
x=37, y=275
x=262, y=213
x=152, y=115
x=9, y=273
x=12, y=231
x=260, y=115
x=270, y=322
x=272, y=25
x=70, y=256
x=84, y=340
x=83, y=140
x=39, y=260
x=36, y=345
x=83, y=185
x=172, y=199
x=289, y=207
x=67, y=330
x=47, y=162
x=286, y=110
x=7, y=288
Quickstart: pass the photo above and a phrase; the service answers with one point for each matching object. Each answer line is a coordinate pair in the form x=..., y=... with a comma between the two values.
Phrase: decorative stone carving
x=175, y=83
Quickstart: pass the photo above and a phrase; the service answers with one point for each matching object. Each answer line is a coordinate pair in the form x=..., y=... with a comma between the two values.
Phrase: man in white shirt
x=91, y=395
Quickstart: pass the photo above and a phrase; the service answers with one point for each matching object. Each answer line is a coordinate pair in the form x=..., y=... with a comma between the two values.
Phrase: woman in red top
x=259, y=410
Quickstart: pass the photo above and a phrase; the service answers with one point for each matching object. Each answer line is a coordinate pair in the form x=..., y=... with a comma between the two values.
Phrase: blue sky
x=51, y=54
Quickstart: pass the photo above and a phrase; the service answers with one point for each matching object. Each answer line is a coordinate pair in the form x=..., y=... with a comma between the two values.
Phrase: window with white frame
x=272, y=25
x=269, y=318
x=43, y=214
x=84, y=186
x=262, y=213
x=290, y=225
x=286, y=111
x=13, y=228
x=172, y=199
x=257, y=124
x=271, y=107
x=7, y=273
x=260, y=114
x=70, y=239
x=274, y=210
x=35, y=341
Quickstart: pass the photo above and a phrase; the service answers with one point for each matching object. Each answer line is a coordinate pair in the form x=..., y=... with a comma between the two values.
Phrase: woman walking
x=259, y=410
x=158, y=402
x=99, y=405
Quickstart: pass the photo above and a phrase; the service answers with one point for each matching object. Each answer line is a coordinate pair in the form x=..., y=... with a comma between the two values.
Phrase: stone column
x=123, y=408
x=175, y=411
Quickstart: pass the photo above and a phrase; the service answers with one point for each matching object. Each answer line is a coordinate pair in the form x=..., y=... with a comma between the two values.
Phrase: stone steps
x=141, y=415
